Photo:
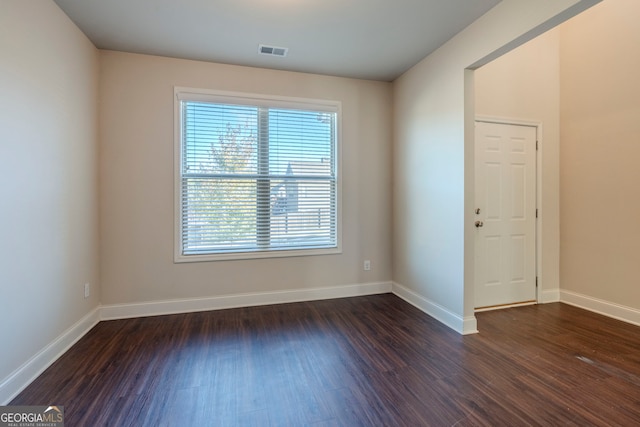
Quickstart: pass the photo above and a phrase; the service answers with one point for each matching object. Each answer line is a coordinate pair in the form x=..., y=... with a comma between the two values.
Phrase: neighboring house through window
x=256, y=176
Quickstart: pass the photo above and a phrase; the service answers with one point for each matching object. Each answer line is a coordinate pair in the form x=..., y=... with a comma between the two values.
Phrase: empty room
x=320, y=213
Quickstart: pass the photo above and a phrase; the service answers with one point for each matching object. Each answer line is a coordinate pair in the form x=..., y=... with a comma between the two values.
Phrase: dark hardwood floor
x=366, y=361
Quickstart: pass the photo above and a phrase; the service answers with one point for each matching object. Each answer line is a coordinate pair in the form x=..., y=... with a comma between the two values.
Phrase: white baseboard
x=606, y=308
x=464, y=326
x=549, y=296
x=17, y=381
x=157, y=308
x=11, y=386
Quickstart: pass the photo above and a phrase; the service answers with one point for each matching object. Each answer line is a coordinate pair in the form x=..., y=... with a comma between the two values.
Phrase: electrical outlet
x=87, y=290
x=367, y=265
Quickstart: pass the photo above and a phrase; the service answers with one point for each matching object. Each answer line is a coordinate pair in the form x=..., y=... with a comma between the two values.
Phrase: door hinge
x=536, y=212
x=536, y=281
x=536, y=145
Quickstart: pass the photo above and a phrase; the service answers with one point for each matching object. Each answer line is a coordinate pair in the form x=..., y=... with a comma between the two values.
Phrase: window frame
x=260, y=100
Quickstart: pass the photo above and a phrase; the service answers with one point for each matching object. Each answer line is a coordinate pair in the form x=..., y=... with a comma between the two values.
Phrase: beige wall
x=524, y=84
x=137, y=181
x=48, y=157
x=433, y=155
x=48, y=178
x=600, y=176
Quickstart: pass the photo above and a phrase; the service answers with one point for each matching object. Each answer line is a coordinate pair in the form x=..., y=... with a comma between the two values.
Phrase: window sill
x=233, y=256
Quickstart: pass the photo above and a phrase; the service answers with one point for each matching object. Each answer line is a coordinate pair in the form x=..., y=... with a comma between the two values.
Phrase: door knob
x=479, y=224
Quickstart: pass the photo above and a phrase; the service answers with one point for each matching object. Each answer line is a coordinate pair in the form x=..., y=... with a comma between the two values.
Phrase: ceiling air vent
x=272, y=50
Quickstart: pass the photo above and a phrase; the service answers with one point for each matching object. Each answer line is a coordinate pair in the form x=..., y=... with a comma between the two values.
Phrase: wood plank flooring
x=366, y=361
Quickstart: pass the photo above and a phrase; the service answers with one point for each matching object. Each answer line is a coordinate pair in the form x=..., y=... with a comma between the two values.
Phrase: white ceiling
x=370, y=39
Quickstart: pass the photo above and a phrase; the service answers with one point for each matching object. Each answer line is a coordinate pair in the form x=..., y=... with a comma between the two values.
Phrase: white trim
x=273, y=253
x=183, y=93
x=550, y=295
x=17, y=381
x=158, y=308
x=469, y=325
x=606, y=308
x=464, y=326
x=209, y=95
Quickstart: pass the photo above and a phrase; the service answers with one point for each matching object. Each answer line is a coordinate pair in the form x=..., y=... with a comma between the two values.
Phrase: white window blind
x=256, y=178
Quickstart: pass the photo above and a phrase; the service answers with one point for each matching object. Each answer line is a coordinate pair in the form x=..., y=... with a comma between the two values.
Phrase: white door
x=505, y=220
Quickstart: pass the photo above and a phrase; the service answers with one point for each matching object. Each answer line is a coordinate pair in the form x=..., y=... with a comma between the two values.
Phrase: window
x=255, y=176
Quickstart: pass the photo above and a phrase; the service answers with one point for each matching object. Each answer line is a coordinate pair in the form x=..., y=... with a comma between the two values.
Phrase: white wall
x=524, y=84
x=433, y=156
x=48, y=180
x=600, y=151
x=137, y=181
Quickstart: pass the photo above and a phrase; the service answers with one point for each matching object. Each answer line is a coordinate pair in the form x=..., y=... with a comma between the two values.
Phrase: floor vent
x=272, y=50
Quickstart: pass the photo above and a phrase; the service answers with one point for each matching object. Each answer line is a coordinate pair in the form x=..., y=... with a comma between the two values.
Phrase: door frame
x=538, y=185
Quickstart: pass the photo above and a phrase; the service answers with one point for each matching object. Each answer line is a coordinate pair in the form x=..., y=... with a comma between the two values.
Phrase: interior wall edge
x=462, y=325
